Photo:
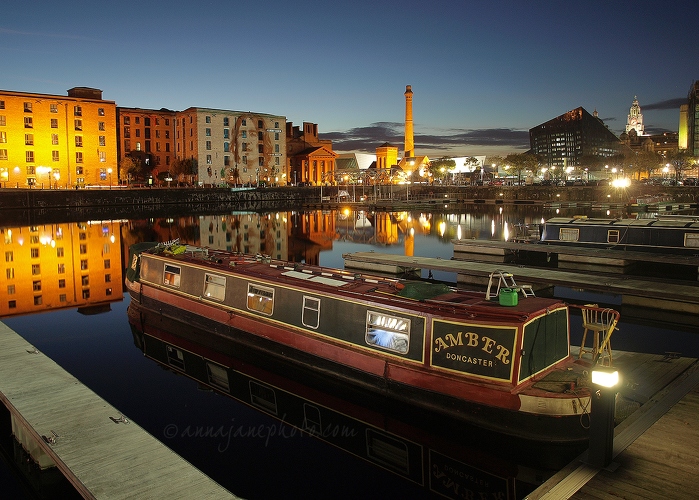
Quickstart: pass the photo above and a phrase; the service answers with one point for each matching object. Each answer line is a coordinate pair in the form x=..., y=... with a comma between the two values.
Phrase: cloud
x=370, y=137
x=666, y=104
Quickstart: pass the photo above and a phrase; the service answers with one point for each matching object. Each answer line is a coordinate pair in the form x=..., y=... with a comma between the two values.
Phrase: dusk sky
x=482, y=73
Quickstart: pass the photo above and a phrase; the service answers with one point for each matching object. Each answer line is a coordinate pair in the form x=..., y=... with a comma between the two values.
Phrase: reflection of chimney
x=409, y=142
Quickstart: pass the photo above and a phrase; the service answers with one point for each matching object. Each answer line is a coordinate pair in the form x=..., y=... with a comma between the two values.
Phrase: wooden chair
x=602, y=323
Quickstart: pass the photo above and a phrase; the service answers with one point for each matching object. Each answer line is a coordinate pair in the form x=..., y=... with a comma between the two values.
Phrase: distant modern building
x=148, y=136
x=564, y=140
x=232, y=146
x=689, y=130
x=309, y=159
x=57, y=141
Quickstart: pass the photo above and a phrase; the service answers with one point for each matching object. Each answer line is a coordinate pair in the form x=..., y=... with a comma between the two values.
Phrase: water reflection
x=427, y=451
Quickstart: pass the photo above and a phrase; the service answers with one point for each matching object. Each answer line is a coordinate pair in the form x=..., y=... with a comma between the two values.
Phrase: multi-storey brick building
x=57, y=141
x=147, y=136
x=232, y=146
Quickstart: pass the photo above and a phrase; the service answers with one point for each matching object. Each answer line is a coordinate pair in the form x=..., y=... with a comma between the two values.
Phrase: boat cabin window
x=568, y=234
x=175, y=357
x=311, y=312
x=311, y=420
x=263, y=397
x=613, y=236
x=218, y=376
x=214, y=287
x=260, y=299
x=691, y=240
x=388, y=332
x=171, y=275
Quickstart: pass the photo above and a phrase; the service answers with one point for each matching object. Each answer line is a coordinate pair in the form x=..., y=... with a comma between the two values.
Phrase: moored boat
x=503, y=365
x=669, y=234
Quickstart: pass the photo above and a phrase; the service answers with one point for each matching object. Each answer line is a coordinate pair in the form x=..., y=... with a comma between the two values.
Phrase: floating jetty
x=105, y=455
x=636, y=291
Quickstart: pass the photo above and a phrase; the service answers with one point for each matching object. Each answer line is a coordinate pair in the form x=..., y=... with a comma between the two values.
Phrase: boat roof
x=423, y=296
x=687, y=222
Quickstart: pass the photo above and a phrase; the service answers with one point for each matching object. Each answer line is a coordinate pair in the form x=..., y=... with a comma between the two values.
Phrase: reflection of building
x=59, y=141
x=232, y=145
x=147, y=136
x=60, y=265
x=309, y=159
x=249, y=233
x=309, y=234
x=562, y=141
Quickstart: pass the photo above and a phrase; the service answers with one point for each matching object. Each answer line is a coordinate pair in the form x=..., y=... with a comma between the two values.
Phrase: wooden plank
x=101, y=458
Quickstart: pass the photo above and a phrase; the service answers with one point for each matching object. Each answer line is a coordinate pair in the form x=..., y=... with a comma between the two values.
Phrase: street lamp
x=57, y=176
x=109, y=171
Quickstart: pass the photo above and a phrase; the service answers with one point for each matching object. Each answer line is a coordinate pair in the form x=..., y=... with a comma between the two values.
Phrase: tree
x=440, y=167
x=187, y=167
x=521, y=162
x=681, y=160
x=127, y=168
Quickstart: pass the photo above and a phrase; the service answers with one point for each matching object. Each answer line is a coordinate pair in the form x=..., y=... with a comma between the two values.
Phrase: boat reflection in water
x=441, y=456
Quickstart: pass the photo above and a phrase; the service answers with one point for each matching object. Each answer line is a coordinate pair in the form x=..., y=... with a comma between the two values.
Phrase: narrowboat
x=422, y=450
x=503, y=365
x=666, y=234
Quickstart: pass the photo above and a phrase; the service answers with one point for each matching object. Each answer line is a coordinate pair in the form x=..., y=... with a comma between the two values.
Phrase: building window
x=27, y=107
x=127, y=120
x=10, y=273
x=30, y=156
x=54, y=139
x=226, y=147
x=100, y=111
x=78, y=157
x=62, y=298
x=208, y=132
x=54, y=122
x=261, y=162
x=34, y=252
x=78, y=124
x=225, y=121
x=107, y=278
x=244, y=146
x=28, y=122
x=9, y=256
x=102, y=140
x=37, y=300
x=227, y=160
x=260, y=136
x=85, y=280
x=12, y=304
x=3, y=121
x=86, y=294
x=28, y=139
x=3, y=137
x=83, y=248
x=260, y=124
x=53, y=108
x=100, y=125
x=78, y=141
x=226, y=133
x=137, y=119
x=36, y=285
x=61, y=269
x=83, y=265
x=102, y=156
x=10, y=289
x=208, y=119
x=244, y=134
x=77, y=110
x=3, y=154
x=55, y=155
x=36, y=269
x=208, y=159
x=61, y=283
x=208, y=145
x=138, y=132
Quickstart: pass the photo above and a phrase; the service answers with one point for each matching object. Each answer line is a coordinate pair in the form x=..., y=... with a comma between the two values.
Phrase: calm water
x=248, y=451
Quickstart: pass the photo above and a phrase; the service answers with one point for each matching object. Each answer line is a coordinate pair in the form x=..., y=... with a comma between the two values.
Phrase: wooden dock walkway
x=655, y=451
x=663, y=294
x=99, y=451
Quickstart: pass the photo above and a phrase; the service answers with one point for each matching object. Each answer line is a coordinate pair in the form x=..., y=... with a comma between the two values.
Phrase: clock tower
x=635, y=118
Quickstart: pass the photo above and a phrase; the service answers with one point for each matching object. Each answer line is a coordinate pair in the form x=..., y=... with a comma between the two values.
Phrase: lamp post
x=601, y=445
x=57, y=176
